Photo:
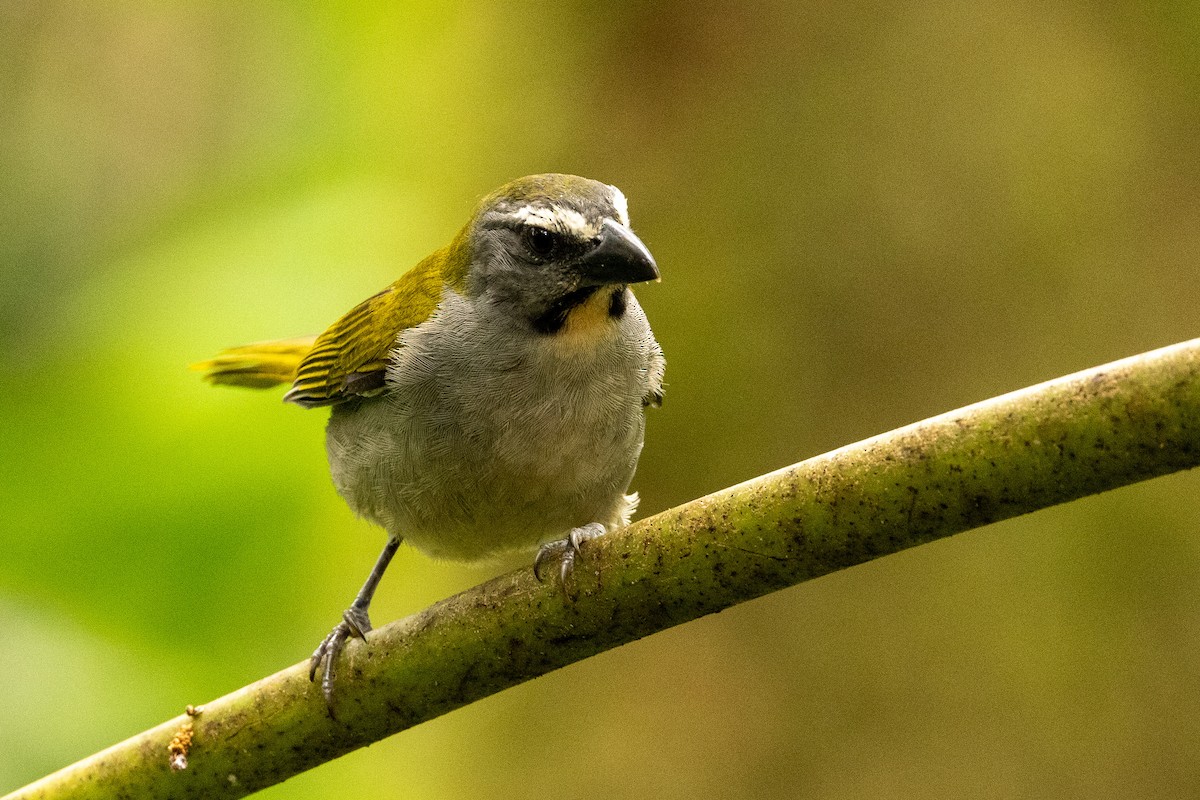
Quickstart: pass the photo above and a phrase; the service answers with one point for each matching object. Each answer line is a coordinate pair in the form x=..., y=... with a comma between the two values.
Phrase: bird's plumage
x=467, y=456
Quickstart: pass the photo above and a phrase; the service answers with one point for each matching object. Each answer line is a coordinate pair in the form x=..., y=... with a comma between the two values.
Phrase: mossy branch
x=1085, y=433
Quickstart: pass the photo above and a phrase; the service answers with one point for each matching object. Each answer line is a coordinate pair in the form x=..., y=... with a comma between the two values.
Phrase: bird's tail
x=257, y=366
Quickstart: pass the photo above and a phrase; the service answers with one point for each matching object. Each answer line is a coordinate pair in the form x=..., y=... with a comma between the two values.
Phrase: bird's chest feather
x=558, y=411
x=488, y=437
x=555, y=425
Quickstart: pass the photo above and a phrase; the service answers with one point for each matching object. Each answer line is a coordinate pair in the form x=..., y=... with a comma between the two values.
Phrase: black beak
x=617, y=257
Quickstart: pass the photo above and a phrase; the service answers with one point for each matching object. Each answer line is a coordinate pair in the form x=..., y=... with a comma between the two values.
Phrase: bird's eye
x=540, y=241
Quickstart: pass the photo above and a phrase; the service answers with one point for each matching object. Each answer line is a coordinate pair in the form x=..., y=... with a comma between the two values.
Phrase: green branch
x=1095, y=430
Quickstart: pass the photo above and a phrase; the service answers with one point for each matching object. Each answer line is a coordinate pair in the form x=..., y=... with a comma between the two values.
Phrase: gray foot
x=355, y=622
x=566, y=549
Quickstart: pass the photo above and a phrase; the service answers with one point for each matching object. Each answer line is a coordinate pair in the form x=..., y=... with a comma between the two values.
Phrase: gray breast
x=491, y=437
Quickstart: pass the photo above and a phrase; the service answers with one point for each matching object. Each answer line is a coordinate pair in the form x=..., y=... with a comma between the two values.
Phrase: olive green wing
x=350, y=359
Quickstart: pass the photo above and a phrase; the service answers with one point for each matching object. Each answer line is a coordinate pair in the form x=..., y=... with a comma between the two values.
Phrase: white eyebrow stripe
x=621, y=205
x=557, y=218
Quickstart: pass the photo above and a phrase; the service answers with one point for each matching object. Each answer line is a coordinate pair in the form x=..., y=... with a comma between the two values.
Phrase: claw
x=566, y=549
x=568, y=564
x=544, y=554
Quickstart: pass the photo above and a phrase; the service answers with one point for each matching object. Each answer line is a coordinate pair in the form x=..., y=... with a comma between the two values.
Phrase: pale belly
x=465, y=481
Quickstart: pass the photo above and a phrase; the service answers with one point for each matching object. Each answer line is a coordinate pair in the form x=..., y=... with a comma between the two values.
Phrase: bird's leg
x=566, y=549
x=355, y=622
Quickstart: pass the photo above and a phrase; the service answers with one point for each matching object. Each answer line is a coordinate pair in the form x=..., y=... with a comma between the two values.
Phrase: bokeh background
x=865, y=214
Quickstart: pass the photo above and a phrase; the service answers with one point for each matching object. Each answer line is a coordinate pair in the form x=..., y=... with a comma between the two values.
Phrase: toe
x=337, y=642
x=325, y=657
x=321, y=654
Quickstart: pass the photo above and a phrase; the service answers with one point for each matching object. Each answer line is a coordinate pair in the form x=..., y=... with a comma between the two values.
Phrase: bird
x=492, y=398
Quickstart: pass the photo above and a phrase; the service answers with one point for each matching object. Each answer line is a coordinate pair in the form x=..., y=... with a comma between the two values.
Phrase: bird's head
x=553, y=250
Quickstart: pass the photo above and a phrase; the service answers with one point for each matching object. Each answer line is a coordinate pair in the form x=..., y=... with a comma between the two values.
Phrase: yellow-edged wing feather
x=351, y=357
x=258, y=366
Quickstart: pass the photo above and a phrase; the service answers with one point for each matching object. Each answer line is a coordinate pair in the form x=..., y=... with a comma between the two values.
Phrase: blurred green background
x=865, y=214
